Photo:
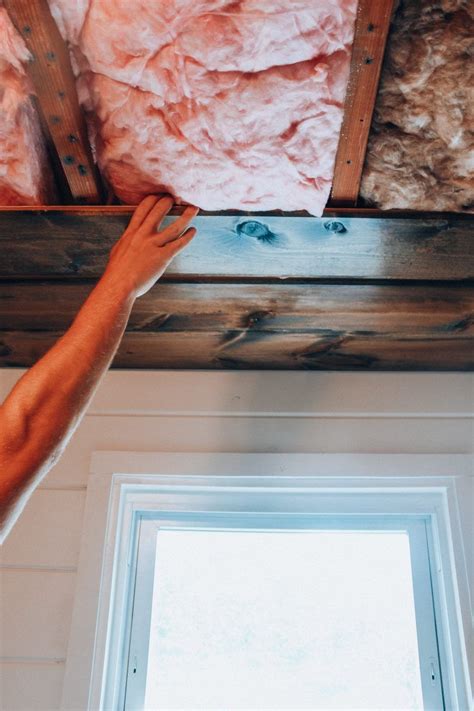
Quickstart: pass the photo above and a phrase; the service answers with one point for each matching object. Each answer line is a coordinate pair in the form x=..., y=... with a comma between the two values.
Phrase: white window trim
x=121, y=483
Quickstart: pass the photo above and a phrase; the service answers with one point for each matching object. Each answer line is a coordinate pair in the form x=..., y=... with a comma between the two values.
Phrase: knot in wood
x=253, y=228
x=255, y=317
x=336, y=227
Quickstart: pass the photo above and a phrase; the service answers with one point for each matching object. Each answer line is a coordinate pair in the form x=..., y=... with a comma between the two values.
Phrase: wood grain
x=372, y=25
x=395, y=246
x=51, y=74
x=246, y=326
x=274, y=351
x=411, y=310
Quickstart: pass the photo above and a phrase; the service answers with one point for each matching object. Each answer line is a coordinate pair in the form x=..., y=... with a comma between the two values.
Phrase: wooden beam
x=372, y=25
x=421, y=310
x=343, y=327
x=277, y=351
x=53, y=80
x=76, y=242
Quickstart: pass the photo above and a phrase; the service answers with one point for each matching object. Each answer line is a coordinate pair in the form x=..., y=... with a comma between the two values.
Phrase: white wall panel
x=31, y=687
x=48, y=531
x=259, y=434
x=36, y=613
x=260, y=392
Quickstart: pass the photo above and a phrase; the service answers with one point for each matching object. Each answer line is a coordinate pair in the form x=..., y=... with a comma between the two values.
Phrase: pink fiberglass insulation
x=421, y=148
x=223, y=104
x=22, y=157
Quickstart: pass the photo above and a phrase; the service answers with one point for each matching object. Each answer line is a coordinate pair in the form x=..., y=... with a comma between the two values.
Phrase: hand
x=142, y=253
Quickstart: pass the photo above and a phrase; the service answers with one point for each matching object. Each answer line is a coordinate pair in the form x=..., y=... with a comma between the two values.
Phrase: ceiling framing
x=355, y=289
x=62, y=120
x=64, y=126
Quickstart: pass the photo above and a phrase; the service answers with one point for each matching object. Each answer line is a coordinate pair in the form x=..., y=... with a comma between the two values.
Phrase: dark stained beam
x=372, y=25
x=344, y=327
x=53, y=80
x=342, y=245
x=273, y=351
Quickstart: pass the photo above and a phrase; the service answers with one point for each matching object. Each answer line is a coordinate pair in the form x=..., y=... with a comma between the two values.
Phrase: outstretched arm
x=46, y=405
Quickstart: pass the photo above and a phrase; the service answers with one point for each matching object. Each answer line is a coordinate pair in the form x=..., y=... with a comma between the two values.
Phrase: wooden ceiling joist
x=53, y=80
x=371, y=31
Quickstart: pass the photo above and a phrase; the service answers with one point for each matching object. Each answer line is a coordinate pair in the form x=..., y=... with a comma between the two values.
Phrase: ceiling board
x=386, y=246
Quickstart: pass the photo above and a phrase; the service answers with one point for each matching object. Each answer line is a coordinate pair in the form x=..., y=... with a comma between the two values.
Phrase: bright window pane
x=283, y=620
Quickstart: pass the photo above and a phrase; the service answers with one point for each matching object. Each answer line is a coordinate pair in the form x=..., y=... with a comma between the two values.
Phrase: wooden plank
x=178, y=209
x=423, y=311
x=272, y=351
x=372, y=25
x=395, y=246
x=276, y=326
x=53, y=80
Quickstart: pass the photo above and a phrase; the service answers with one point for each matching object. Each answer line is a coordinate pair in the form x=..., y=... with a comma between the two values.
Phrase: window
x=270, y=613
x=243, y=581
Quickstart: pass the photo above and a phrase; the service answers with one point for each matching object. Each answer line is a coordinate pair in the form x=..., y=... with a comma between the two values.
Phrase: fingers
x=173, y=231
x=155, y=216
x=141, y=211
x=176, y=245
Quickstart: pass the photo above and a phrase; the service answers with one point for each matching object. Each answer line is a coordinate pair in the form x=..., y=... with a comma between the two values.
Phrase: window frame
x=123, y=486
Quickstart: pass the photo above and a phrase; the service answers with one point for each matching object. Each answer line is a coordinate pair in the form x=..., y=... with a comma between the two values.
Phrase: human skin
x=47, y=404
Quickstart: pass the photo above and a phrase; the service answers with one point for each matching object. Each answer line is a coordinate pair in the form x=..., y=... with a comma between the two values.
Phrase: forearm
x=44, y=408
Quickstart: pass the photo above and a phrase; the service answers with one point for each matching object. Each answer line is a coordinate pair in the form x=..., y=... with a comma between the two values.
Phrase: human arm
x=44, y=408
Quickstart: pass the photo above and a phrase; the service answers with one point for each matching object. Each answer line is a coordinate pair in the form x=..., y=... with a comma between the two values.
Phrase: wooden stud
x=53, y=80
x=372, y=25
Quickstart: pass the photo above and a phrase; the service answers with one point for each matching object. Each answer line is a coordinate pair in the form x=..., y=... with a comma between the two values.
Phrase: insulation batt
x=421, y=149
x=223, y=104
x=22, y=157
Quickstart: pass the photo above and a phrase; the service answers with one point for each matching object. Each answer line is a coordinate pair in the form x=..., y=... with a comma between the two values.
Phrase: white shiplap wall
x=201, y=412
